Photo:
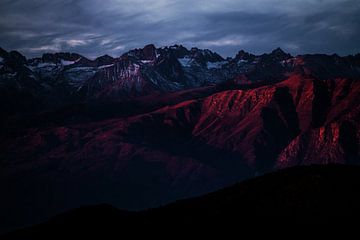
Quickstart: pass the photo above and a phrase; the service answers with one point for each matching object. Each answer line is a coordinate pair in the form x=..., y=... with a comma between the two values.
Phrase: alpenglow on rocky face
x=95, y=27
x=116, y=113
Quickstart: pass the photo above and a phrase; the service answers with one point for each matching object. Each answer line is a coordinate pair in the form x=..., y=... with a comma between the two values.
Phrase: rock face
x=163, y=139
x=66, y=78
x=333, y=133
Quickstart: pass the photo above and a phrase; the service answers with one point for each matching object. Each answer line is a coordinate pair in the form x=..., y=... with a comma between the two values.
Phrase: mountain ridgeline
x=60, y=79
x=159, y=124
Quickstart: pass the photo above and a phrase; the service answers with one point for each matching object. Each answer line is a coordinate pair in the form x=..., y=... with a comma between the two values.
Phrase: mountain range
x=159, y=124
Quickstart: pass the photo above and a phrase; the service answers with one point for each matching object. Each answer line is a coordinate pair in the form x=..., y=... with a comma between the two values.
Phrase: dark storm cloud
x=94, y=27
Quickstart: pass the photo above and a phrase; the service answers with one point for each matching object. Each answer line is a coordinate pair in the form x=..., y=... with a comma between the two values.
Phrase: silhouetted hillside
x=301, y=195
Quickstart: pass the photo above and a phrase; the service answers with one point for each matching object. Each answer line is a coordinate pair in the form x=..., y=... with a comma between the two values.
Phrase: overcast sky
x=97, y=27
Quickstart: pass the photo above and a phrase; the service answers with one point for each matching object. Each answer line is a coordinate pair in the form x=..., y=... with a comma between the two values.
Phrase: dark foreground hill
x=301, y=195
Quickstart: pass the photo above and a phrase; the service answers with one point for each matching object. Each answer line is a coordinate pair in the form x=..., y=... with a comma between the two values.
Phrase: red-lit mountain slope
x=192, y=147
x=198, y=141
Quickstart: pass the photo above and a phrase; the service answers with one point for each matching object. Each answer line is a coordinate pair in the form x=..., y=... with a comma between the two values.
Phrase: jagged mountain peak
x=13, y=59
x=206, y=55
x=3, y=52
x=150, y=46
x=148, y=52
x=278, y=53
x=244, y=56
x=178, y=51
x=171, y=68
x=17, y=56
x=278, y=50
x=106, y=56
x=176, y=46
x=104, y=60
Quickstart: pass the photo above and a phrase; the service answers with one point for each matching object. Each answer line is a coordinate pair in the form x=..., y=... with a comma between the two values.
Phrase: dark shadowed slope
x=301, y=195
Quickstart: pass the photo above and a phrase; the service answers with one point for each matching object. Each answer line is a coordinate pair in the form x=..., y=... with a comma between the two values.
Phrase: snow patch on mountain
x=45, y=65
x=105, y=66
x=185, y=62
x=146, y=61
x=215, y=65
x=66, y=63
x=242, y=61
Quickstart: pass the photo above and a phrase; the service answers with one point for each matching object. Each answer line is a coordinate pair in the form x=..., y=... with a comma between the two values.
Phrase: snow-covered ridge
x=141, y=70
x=216, y=65
x=105, y=66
